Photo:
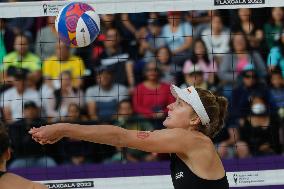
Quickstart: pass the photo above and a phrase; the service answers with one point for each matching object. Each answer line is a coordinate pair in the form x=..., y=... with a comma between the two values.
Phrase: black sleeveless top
x=184, y=178
x=2, y=173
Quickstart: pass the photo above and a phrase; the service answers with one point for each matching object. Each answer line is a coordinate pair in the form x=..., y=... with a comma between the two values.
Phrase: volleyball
x=77, y=24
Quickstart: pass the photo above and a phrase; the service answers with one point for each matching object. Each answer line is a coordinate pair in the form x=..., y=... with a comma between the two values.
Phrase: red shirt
x=148, y=101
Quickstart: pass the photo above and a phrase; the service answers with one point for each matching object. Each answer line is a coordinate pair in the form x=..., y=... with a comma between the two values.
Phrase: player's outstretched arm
x=12, y=181
x=160, y=141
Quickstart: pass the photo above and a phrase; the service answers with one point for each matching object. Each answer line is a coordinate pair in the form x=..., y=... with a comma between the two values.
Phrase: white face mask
x=258, y=108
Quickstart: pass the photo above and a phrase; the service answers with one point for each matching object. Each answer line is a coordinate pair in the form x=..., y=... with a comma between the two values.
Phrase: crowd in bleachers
x=124, y=78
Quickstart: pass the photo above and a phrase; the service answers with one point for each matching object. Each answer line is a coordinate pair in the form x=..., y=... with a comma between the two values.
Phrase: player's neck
x=3, y=166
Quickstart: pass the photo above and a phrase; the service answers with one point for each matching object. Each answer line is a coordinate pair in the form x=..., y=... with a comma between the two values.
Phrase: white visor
x=191, y=97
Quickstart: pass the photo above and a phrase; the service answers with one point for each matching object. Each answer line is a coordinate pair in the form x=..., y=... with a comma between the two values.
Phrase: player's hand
x=47, y=134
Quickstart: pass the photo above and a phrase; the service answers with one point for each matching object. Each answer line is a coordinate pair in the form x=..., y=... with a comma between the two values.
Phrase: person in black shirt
x=28, y=153
x=192, y=121
x=260, y=131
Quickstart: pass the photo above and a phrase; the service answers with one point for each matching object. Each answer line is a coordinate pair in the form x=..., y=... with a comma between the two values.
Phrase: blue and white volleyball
x=77, y=24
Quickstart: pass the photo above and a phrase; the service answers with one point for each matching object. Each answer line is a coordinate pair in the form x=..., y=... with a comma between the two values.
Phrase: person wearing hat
x=10, y=180
x=193, y=76
x=250, y=83
x=193, y=120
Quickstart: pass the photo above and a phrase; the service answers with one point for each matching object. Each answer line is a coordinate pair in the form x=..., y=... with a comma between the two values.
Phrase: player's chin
x=167, y=123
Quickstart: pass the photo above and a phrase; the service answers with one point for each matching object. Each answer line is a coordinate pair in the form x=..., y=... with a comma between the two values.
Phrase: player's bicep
x=160, y=141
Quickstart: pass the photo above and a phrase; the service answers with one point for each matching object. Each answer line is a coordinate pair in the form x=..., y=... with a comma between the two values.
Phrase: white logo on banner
x=49, y=9
x=248, y=178
x=66, y=185
x=256, y=178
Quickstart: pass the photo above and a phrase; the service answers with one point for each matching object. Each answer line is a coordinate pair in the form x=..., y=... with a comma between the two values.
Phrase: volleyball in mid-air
x=77, y=24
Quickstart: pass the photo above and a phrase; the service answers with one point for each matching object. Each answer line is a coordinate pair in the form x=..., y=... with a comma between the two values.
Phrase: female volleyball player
x=9, y=180
x=192, y=121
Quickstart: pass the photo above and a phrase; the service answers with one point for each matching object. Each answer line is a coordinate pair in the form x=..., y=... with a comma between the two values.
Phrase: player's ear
x=195, y=120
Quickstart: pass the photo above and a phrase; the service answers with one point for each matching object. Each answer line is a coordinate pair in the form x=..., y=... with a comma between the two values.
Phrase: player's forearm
x=103, y=134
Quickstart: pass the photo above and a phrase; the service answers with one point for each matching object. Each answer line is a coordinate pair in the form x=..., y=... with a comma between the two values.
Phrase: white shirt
x=116, y=92
x=13, y=100
x=216, y=44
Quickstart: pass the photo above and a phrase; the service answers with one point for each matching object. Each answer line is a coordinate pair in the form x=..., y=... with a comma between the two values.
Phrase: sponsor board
x=256, y=178
x=236, y=179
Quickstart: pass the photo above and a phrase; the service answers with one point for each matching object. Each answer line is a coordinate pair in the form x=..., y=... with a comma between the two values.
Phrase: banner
x=236, y=179
x=51, y=8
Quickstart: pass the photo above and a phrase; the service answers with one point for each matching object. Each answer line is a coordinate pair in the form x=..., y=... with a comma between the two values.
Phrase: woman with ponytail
x=192, y=122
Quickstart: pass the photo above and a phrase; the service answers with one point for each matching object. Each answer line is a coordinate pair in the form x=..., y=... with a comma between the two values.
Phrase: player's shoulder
x=198, y=140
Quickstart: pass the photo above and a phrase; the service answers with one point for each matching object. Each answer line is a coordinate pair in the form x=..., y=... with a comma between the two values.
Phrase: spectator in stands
x=128, y=120
x=245, y=22
x=10, y=180
x=75, y=152
x=169, y=69
x=62, y=61
x=23, y=58
x=150, y=40
x=6, y=40
x=216, y=38
x=102, y=98
x=45, y=39
x=200, y=57
x=72, y=151
x=275, y=58
x=227, y=141
x=109, y=21
x=74, y=114
x=178, y=36
x=273, y=29
x=233, y=64
x=60, y=99
x=260, y=131
x=277, y=91
x=249, y=85
x=132, y=22
x=151, y=97
x=14, y=98
x=194, y=76
x=116, y=58
x=27, y=153
x=200, y=19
